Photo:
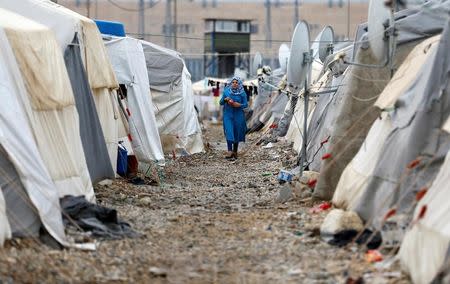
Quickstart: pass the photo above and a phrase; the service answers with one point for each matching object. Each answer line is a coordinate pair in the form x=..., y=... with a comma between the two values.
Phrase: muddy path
x=210, y=221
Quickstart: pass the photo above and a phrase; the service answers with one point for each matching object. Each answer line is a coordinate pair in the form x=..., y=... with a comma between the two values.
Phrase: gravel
x=209, y=221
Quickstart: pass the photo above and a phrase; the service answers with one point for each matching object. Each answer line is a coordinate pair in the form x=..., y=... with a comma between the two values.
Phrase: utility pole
x=296, y=18
x=168, y=25
x=175, y=26
x=348, y=19
x=141, y=20
x=88, y=8
x=96, y=9
x=269, y=29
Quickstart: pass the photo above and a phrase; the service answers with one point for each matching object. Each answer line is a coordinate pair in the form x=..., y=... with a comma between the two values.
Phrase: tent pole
x=305, y=129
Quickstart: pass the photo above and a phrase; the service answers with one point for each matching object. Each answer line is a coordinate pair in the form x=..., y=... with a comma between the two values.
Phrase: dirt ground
x=209, y=221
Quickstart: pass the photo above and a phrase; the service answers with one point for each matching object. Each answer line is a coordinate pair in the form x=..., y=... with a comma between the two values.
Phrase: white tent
x=128, y=60
x=363, y=85
x=295, y=131
x=49, y=103
x=355, y=176
x=67, y=25
x=171, y=91
x=426, y=246
x=192, y=141
x=18, y=143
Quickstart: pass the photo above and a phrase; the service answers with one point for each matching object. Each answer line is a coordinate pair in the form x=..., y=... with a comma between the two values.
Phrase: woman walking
x=234, y=100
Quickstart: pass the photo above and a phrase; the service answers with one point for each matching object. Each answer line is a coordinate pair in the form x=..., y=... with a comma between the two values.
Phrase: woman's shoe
x=229, y=155
x=235, y=155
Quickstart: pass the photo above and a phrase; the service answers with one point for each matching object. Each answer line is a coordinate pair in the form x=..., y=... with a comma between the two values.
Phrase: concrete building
x=182, y=24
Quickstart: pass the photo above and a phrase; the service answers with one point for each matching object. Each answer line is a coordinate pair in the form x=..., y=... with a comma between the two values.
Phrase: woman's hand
x=230, y=102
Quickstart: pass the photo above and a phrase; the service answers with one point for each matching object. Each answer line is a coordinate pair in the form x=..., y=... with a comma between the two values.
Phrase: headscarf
x=240, y=87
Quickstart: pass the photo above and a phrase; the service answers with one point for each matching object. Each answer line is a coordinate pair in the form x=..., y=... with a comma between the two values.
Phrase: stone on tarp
x=308, y=175
x=339, y=220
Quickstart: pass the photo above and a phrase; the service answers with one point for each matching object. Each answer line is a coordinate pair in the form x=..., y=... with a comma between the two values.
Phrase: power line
x=130, y=9
x=235, y=40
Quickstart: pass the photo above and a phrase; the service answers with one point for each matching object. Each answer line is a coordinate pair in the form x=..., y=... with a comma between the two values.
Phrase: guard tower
x=227, y=45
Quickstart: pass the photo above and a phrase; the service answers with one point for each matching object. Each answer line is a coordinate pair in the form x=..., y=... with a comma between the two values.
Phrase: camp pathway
x=210, y=221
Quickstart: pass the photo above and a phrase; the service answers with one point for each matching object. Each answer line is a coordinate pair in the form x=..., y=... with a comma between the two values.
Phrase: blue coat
x=234, y=125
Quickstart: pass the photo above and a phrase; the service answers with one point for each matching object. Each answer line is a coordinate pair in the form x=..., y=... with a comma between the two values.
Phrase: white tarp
x=67, y=24
x=193, y=142
x=295, y=131
x=128, y=60
x=175, y=113
x=425, y=246
x=355, y=176
x=52, y=114
x=447, y=126
x=17, y=139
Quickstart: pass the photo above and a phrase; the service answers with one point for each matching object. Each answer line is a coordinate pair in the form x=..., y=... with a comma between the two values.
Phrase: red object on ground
x=312, y=182
x=273, y=125
x=326, y=156
x=373, y=256
x=129, y=137
x=321, y=207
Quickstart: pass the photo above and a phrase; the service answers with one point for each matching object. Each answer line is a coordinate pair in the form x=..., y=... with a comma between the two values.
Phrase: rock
x=145, y=201
x=105, y=182
x=284, y=194
x=339, y=220
x=252, y=185
x=156, y=271
x=173, y=218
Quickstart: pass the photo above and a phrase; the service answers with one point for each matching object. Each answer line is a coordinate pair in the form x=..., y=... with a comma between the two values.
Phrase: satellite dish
x=283, y=56
x=326, y=41
x=257, y=62
x=315, y=45
x=297, y=65
x=377, y=22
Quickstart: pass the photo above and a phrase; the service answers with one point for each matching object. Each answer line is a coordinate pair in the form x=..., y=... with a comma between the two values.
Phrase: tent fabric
x=446, y=126
x=23, y=220
x=192, y=140
x=295, y=132
x=56, y=130
x=128, y=60
x=427, y=244
x=175, y=113
x=46, y=90
x=165, y=66
x=286, y=118
x=349, y=133
x=327, y=107
x=406, y=73
x=416, y=134
x=5, y=229
x=94, y=145
x=65, y=23
x=19, y=147
x=361, y=87
x=356, y=175
x=108, y=114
